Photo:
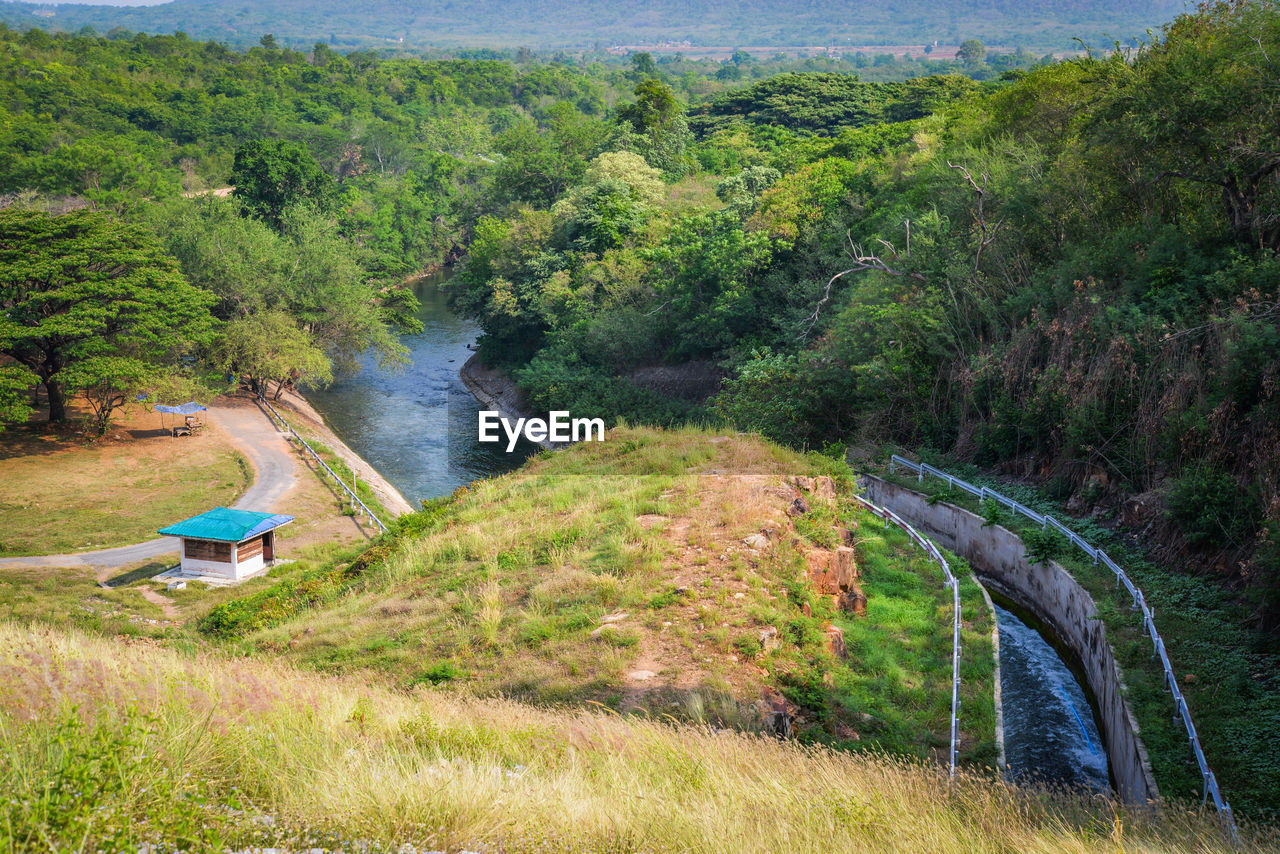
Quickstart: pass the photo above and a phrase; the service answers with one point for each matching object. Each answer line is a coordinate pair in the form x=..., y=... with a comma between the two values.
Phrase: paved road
x=275, y=470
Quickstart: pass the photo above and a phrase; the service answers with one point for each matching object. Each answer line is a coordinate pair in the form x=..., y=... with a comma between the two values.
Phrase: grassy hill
x=580, y=656
x=618, y=574
x=105, y=746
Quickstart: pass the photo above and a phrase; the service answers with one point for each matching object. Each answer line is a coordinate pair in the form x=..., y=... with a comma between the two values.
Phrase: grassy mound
x=619, y=573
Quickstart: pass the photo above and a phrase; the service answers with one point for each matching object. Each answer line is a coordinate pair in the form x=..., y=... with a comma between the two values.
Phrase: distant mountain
x=1034, y=24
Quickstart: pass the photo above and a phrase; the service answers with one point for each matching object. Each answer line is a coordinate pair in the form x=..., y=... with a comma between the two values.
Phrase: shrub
x=1210, y=508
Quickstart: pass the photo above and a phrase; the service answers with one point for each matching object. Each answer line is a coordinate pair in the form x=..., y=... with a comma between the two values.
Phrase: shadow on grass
x=147, y=570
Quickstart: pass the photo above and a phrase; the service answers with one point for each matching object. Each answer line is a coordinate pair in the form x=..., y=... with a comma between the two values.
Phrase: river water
x=1049, y=732
x=418, y=427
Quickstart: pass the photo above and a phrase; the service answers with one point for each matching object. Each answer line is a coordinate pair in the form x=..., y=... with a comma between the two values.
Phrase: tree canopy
x=88, y=300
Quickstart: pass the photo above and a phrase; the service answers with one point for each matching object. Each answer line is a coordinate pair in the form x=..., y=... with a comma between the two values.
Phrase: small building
x=230, y=544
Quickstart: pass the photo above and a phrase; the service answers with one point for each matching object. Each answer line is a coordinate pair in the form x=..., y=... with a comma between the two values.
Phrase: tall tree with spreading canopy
x=83, y=290
x=271, y=175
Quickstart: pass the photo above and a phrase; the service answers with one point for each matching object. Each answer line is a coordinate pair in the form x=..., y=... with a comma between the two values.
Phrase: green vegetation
x=1071, y=271
x=94, y=306
x=73, y=599
x=556, y=583
x=109, y=746
x=1229, y=670
x=1062, y=269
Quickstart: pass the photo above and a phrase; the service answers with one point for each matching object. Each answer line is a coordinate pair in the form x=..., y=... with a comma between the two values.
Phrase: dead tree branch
x=986, y=236
x=862, y=262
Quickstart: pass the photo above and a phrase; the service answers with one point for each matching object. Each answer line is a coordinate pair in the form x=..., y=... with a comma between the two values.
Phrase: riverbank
x=311, y=420
x=496, y=390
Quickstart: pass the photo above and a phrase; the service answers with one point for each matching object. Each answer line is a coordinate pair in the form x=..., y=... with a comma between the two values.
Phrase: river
x=418, y=427
x=1049, y=732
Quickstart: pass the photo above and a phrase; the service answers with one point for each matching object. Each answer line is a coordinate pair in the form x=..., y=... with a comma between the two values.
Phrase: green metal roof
x=226, y=525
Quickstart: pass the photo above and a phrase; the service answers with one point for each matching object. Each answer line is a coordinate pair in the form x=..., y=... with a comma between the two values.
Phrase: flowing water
x=418, y=427
x=1049, y=732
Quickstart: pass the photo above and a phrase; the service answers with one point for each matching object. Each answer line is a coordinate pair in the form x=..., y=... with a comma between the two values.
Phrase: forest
x=592, y=24
x=1060, y=270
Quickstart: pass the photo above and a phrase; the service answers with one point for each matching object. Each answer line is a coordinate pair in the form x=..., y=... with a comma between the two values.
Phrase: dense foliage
x=1071, y=274
x=1069, y=271
x=93, y=306
x=580, y=23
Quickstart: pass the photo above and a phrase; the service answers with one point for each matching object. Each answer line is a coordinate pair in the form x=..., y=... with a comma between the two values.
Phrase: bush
x=1043, y=545
x=1210, y=508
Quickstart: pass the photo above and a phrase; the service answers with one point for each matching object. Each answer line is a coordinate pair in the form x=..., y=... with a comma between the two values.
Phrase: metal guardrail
x=355, y=498
x=935, y=554
x=1211, y=790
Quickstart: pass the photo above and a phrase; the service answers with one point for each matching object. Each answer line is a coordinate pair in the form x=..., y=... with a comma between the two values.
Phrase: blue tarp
x=185, y=409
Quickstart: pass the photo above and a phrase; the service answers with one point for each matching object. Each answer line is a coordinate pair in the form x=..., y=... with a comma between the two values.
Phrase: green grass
x=903, y=647
x=1234, y=687
x=73, y=599
x=503, y=588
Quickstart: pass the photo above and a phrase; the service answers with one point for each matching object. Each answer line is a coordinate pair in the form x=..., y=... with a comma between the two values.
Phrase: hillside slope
x=681, y=573
x=203, y=752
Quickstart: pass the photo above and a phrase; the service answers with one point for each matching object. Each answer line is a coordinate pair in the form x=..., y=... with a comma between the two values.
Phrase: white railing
x=355, y=498
x=1211, y=790
x=936, y=554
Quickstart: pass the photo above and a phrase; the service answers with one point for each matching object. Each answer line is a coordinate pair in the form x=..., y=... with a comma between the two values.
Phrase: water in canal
x=1049, y=732
x=418, y=428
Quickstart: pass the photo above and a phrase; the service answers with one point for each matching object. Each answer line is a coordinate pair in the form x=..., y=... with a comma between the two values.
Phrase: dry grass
x=105, y=746
x=65, y=495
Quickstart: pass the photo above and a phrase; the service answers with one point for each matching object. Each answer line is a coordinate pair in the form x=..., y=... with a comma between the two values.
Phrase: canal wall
x=388, y=496
x=1049, y=592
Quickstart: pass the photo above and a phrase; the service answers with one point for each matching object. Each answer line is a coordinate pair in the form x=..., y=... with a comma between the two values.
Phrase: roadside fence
x=1181, y=712
x=354, y=498
x=936, y=555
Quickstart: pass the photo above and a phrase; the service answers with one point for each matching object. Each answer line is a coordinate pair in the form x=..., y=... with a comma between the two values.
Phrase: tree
x=107, y=383
x=971, y=52
x=15, y=398
x=540, y=164
x=271, y=175
x=83, y=286
x=1199, y=106
x=740, y=192
x=306, y=269
x=642, y=63
x=655, y=126
x=269, y=346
